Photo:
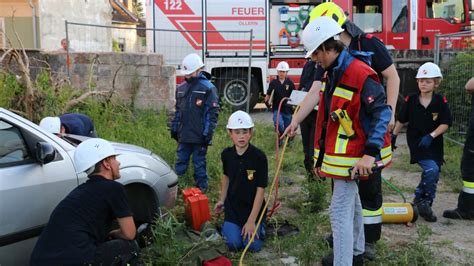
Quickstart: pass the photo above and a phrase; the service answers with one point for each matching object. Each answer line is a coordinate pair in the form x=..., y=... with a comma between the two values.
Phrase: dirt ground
x=452, y=240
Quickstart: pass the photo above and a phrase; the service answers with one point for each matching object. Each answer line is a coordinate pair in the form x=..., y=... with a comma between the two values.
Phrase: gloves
x=393, y=139
x=208, y=139
x=268, y=105
x=174, y=135
x=425, y=141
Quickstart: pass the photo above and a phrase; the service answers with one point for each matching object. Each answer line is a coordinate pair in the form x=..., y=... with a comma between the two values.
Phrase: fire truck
x=205, y=27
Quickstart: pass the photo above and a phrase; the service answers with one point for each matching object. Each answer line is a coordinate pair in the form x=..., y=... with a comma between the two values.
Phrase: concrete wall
x=140, y=77
x=53, y=14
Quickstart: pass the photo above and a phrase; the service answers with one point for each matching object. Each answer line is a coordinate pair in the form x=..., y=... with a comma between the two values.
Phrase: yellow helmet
x=328, y=9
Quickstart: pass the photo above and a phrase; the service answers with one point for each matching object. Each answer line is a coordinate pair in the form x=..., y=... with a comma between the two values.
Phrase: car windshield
x=74, y=140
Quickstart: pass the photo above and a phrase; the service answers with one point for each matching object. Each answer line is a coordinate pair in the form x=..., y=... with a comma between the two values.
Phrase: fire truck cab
x=411, y=24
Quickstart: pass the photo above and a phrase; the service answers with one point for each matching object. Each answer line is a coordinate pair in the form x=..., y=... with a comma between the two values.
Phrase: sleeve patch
x=370, y=99
x=407, y=98
x=445, y=100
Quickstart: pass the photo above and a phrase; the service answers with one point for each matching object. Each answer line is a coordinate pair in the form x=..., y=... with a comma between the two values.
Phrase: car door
x=29, y=191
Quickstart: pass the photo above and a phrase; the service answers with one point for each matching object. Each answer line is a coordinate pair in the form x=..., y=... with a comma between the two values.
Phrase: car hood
x=122, y=147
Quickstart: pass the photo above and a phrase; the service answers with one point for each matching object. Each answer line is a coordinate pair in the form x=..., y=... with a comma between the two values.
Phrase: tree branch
x=81, y=98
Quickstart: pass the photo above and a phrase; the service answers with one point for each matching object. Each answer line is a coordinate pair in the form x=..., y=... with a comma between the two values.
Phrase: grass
x=149, y=129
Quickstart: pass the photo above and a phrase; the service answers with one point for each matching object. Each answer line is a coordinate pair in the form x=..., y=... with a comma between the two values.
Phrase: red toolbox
x=196, y=208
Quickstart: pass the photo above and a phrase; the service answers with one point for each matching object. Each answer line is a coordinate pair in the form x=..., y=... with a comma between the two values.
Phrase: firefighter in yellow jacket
x=352, y=99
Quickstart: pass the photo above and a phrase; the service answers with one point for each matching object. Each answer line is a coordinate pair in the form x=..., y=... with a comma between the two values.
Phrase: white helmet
x=191, y=63
x=51, y=124
x=92, y=151
x=240, y=119
x=429, y=70
x=283, y=66
x=318, y=31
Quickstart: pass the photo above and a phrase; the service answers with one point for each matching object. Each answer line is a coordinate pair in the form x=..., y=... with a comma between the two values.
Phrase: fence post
x=249, y=77
x=67, y=51
x=436, y=49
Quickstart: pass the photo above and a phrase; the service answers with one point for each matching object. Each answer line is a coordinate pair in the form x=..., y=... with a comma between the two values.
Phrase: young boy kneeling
x=243, y=186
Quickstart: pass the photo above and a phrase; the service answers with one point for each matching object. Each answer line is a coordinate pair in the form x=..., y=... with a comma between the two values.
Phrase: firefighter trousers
x=370, y=192
x=466, y=197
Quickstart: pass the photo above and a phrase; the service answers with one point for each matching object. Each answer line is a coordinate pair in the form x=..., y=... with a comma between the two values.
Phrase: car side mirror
x=45, y=152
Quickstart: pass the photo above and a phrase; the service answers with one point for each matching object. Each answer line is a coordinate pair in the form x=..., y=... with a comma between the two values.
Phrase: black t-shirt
x=381, y=59
x=309, y=75
x=422, y=121
x=282, y=90
x=246, y=173
x=81, y=222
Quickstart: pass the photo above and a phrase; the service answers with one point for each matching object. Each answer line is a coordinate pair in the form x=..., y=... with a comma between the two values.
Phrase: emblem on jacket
x=435, y=116
x=198, y=102
x=250, y=174
x=287, y=87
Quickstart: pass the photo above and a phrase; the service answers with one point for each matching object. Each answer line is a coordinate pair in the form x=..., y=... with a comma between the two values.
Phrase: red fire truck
x=200, y=26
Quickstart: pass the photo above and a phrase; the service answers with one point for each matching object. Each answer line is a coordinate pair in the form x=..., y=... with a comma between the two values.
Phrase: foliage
x=417, y=253
x=138, y=10
x=115, y=46
x=456, y=73
x=305, y=207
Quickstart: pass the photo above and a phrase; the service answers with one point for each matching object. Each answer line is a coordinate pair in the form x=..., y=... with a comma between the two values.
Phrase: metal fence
x=457, y=67
x=228, y=61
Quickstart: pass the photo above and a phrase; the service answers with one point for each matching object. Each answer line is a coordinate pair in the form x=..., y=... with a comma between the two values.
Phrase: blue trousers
x=199, y=152
x=284, y=121
x=426, y=190
x=232, y=234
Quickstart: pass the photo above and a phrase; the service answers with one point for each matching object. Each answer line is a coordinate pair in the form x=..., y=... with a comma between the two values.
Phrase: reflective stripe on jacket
x=359, y=93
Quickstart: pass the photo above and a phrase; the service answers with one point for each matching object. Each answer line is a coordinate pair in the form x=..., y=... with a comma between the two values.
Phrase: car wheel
x=143, y=203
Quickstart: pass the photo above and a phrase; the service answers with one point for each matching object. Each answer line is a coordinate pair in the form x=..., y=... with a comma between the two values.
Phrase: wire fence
x=457, y=66
x=227, y=54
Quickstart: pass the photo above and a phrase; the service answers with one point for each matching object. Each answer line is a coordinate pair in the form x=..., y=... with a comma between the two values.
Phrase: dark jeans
x=426, y=190
x=117, y=252
x=199, y=152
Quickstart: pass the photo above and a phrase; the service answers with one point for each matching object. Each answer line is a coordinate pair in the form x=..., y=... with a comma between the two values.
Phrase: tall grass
x=304, y=207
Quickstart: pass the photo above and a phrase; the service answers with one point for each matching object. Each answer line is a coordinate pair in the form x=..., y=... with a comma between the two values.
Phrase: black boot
x=426, y=212
x=458, y=214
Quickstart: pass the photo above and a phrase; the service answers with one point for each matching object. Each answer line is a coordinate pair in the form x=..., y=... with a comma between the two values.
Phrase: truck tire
x=232, y=87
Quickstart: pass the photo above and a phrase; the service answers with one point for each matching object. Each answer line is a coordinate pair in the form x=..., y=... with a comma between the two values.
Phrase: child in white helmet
x=281, y=87
x=346, y=150
x=428, y=116
x=243, y=185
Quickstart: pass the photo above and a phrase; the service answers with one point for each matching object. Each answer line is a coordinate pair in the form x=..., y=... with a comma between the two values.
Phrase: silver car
x=37, y=172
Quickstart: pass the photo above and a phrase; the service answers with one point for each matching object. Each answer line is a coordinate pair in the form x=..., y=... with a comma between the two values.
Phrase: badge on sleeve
x=198, y=102
x=250, y=174
x=287, y=87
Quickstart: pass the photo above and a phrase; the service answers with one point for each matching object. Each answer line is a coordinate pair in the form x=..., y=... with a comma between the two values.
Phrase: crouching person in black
x=79, y=229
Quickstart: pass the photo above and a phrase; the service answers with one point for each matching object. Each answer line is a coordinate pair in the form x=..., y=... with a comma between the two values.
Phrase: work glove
x=393, y=139
x=425, y=141
x=268, y=105
x=208, y=139
x=174, y=135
